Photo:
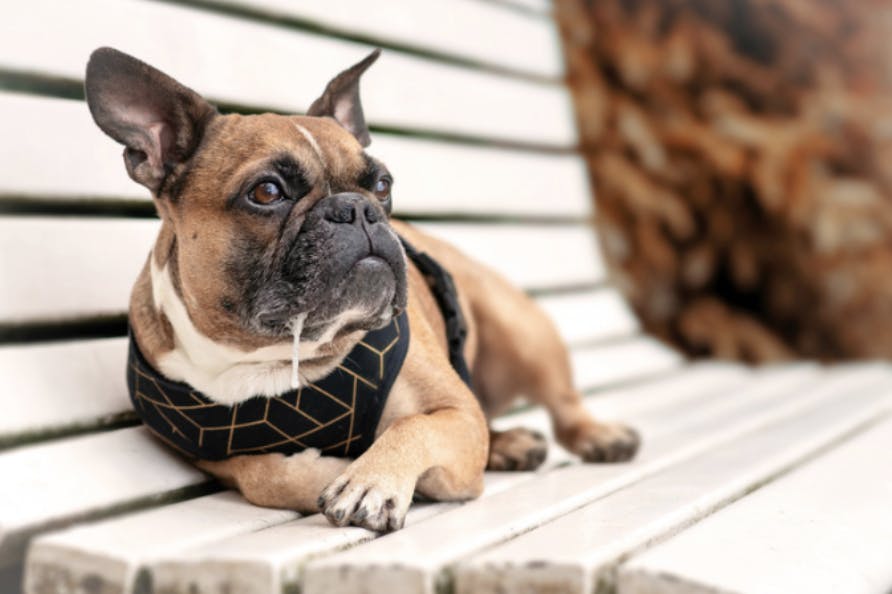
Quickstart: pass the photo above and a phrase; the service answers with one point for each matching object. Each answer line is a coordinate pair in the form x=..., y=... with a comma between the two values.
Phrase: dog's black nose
x=349, y=209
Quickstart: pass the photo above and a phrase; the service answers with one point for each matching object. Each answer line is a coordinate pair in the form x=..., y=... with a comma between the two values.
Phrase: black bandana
x=337, y=414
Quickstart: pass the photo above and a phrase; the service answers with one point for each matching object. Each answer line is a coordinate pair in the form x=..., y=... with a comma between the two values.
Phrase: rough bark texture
x=741, y=154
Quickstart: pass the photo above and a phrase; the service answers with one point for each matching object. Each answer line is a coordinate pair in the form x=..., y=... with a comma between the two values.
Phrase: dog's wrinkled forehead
x=236, y=147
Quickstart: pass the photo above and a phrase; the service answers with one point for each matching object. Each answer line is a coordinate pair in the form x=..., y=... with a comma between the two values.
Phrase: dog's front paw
x=360, y=498
x=601, y=442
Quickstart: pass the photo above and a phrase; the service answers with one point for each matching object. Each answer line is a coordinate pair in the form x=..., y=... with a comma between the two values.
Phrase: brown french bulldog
x=280, y=335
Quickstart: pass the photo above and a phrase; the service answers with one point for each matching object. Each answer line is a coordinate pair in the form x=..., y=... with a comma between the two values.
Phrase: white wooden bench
x=90, y=503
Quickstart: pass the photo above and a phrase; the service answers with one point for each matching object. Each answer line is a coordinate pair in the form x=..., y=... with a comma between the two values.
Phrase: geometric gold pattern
x=337, y=414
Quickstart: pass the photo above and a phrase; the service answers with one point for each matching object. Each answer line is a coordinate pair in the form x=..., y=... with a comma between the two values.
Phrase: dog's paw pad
x=603, y=442
x=365, y=503
x=516, y=449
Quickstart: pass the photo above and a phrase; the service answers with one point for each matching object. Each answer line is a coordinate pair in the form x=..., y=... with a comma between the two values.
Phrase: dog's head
x=270, y=218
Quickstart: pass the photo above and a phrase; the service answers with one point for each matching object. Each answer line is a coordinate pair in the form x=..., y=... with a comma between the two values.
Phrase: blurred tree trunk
x=741, y=155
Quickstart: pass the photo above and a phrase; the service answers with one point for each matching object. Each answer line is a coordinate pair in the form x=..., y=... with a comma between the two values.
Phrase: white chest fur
x=221, y=372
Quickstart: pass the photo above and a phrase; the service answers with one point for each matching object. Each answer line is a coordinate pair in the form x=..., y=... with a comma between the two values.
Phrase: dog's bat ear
x=158, y=120
x=340, y=100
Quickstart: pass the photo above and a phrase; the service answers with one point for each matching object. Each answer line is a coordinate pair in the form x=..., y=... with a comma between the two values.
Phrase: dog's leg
x=275, y=480
x=520, y=353
x=516, y=351
x=439, y=448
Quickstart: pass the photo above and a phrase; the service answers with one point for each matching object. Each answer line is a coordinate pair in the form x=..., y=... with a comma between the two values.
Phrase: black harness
x=337, y=414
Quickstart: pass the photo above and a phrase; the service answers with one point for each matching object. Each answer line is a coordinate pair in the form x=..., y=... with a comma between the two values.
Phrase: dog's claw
x=360, y=515
x=365, y=503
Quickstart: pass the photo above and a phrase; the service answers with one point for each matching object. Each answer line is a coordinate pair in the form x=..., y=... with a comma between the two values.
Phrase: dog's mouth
x=370, y=294
x=372, y=260
x=370, y=299
x=372, y=270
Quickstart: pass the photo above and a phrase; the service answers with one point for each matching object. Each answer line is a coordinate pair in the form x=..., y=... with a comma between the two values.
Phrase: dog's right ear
x=158, y=120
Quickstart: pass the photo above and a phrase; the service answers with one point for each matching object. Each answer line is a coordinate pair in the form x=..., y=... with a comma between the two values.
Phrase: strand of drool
x=297, y=326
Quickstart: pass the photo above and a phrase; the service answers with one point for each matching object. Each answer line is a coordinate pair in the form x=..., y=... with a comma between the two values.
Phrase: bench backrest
x=74, y=230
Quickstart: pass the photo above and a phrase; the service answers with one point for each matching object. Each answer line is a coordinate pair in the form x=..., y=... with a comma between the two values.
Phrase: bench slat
x=590, y=315
x=80, y=477
x=425, y=552
x=95, y=394
x=541, y=7
x=708, y=380
x=617, y=362
x=135, y=541
x=825, y=528
x=49, y=565
x=537, y=257
x=93, y=278
x=478, y=180
x=65, y=386
x=281, y=69
x=460, y=28
x=577, y=551
x=87, y=270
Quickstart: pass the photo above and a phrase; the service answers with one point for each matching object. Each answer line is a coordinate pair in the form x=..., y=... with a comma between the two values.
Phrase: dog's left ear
x=340, y=100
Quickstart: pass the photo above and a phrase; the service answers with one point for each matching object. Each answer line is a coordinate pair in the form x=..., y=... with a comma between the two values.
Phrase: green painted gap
x=41, y=84
x=76, y=206
x=111, y=207
x=118, y=420
x=97, y=327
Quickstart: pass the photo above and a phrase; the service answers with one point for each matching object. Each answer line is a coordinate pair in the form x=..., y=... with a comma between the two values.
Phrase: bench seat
x=824, y=527
x=701, y=454
x=749, y=479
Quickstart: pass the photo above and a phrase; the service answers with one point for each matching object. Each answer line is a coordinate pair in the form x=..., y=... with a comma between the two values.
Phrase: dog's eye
x=382, y=188
x=266, y=193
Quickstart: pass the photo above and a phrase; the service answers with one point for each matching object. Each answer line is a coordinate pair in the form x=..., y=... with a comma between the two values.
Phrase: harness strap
x=443, y=288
